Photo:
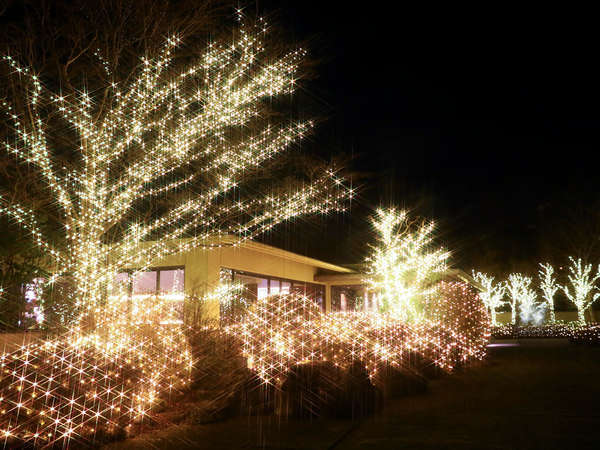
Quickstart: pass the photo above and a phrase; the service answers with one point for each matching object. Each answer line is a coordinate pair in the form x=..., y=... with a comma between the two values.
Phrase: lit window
x=171, y=281
x=144, y=283
x=274, y=287
x=33, y=300
x=263, y=288
x=260, y=286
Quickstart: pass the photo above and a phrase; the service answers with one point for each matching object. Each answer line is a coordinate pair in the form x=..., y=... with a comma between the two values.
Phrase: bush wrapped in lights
x=459, y=308
x=588, y=335
x=83, y=385
x=574, y=331
x=509, y=331
x=280, y=332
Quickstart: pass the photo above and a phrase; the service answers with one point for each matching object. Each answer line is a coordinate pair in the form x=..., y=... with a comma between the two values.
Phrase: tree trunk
x=581, y=316
x=551, y=313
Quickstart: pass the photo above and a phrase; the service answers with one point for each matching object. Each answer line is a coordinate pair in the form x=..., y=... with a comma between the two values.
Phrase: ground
x=525, y=397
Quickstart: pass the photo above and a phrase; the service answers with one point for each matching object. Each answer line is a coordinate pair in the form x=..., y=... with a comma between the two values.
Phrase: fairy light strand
x=582, y=284
x=549, y=287
x=402, y=264
x=492, y=294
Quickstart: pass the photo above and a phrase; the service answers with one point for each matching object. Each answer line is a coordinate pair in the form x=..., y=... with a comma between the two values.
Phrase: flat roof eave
x=290, y=256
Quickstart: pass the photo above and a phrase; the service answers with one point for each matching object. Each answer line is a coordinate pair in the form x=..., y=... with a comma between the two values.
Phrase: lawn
x=526, y=397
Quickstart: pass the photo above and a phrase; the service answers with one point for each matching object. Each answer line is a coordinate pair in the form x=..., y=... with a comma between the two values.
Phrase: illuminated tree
x=515, y=285
x=530, y=310
x=583, y=283
x=403, y=264
x=184, y=143
x=492, y=294
x=522, y=297
x=549, y=287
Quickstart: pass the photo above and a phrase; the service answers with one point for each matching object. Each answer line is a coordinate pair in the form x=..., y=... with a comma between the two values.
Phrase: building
x=261, y=268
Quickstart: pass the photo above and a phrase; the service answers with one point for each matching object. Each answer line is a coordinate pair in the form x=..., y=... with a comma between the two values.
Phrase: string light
x=583, y=283
x=549, y=287
x=519, y=293
x=110, y=377
x=531, y=311
x=492, y=294
x=574, y=331
x=280, y=332
x=401, y=266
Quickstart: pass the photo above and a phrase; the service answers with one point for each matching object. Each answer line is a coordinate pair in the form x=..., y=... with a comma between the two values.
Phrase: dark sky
x=486, y=120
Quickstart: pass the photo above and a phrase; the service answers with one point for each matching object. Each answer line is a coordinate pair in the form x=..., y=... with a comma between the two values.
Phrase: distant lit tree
x=549, y=287
x=530, y=310
x=582, y=284
x=524, y=299
x=404, y=263
x=492, y=294
x=513, y=287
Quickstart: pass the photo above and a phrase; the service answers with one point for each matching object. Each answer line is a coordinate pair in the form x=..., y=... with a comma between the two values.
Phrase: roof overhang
x=341, y=278
x=290, y=256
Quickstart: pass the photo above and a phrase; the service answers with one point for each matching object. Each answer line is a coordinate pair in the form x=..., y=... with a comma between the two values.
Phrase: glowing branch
x=25, y=218
x=492, y=294
x=549, y=287
x=163, y=129
x=583, y=283
x=401, y=267
x=522, y=297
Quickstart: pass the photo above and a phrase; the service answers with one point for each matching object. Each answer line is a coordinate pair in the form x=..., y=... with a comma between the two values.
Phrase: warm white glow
x=159, y=136
x=403, y=263
x=65, y=387
x=280, y=332
x=492, y=295
x=549, y=287
x=523, y=298
x=582, y=284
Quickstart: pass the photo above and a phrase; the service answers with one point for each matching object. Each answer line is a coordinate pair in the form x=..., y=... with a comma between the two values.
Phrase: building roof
x=228, y=240
x=295, y=257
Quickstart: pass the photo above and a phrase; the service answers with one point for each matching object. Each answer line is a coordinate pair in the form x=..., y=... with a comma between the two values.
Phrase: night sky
x=485, y=120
